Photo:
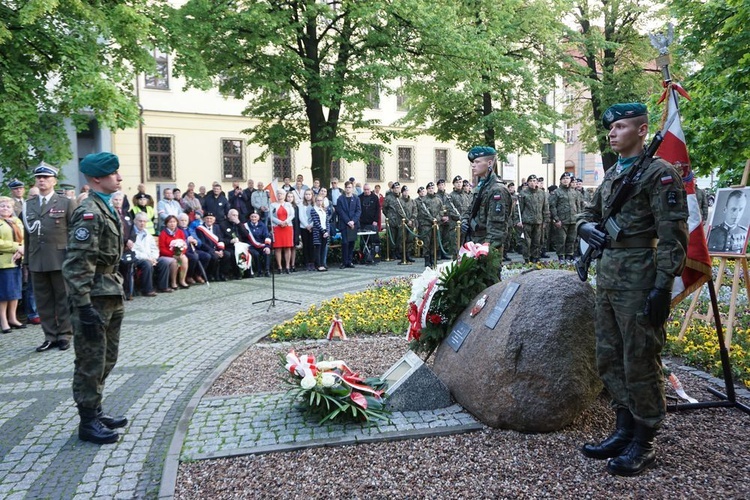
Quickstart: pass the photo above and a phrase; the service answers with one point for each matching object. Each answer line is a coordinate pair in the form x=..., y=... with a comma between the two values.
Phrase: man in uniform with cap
x=730, y=235
x=457, y=203
x=46, y=219
x=446, y=225
x=394, y=211
x=90, y=270
x=429, y=214
x=564, y=207
x=486, y=218
x=17, y=192
x=534, y=214
x=634, y=289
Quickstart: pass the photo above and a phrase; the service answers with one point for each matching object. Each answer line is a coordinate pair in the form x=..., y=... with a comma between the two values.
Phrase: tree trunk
x=489, y=132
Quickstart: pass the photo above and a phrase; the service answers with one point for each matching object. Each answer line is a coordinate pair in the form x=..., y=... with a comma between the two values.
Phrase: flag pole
x=661, y=42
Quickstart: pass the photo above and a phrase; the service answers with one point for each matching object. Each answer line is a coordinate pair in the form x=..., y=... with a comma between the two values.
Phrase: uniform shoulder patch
x=82, y=233
x=666, y=179
x=497, y=197
x=88, y=216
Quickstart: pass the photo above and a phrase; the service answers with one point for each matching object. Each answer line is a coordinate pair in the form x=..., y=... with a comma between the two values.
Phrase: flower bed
x=379, y=309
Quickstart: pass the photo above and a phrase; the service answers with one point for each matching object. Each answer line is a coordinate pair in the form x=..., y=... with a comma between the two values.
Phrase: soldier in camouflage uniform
x=490, y=223
x=390, y=212
x=406, y=209
x=564, y=206
x=447, y=225
x=633, y=290
x=429, y=214
x=534, y=215
x=90, y=272
x=456, y=204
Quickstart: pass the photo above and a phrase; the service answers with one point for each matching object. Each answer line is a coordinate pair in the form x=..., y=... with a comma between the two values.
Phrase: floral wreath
x=439, y=296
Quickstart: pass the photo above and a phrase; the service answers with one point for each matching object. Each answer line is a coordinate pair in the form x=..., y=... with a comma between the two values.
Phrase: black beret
x=532, y=177
x=441, y=181
x=430, y=185
x=566, y=174
x=457, y=178
x=404, y=188
x=395, y=185
x=466, y=182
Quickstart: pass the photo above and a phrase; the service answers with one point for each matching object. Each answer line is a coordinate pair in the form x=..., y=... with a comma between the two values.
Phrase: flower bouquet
x=440, y=295
x=178, y=246
x=330, y=390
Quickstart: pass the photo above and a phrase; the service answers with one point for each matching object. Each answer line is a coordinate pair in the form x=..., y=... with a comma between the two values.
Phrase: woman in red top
x=175, y=251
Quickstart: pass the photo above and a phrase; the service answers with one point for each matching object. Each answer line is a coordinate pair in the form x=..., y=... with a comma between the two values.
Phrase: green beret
x=480, y=151
x=99, y=164
x=621, y=111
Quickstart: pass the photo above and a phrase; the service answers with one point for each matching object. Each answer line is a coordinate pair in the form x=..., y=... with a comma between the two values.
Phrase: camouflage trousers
x=533, y=240
x=565, y=239
x=431, y=244
x=448, y=237
x=96, y=358
x=628, y=356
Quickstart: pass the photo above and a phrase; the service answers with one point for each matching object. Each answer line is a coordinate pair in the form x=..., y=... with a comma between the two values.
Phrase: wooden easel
x=740, y=266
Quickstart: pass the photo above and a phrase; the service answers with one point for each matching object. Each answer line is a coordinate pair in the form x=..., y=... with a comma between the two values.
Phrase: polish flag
x=674, y=150
x=272, y=187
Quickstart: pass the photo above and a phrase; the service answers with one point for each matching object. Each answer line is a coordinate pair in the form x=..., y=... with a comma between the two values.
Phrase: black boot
x=91, y=429
x=409, y=258
x=427, y=262
x=616, y=443
x=110, y=421
x=637, y=457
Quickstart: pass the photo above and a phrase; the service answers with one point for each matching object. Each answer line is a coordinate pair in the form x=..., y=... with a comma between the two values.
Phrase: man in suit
x=348, y=210
x=46, y=218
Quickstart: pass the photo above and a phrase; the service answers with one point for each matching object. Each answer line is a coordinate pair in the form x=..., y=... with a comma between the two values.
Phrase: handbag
x=128, y=257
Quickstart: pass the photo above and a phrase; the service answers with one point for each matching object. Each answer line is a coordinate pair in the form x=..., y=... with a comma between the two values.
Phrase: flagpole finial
x=661, y=42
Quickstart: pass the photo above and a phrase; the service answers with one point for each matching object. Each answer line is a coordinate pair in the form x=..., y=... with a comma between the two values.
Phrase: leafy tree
x=482, y=69
x=612, y=59
x=714, y=34
x=65, y=59
x=306, y=68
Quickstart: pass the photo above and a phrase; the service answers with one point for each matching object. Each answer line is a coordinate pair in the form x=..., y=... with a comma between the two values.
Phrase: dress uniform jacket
x=47, y=232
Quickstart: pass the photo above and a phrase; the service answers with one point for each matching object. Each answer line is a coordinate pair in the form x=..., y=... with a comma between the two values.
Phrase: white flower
x=325, y=365
x=420, y=284
x=328, y=380
x=308, y=382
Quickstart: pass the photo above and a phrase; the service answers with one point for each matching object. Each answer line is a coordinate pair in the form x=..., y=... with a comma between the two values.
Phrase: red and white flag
x=673, y=149
x=272, y=187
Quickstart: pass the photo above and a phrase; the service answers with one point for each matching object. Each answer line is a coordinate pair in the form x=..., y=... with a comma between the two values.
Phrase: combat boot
x=409, y=258
x=91, y=429
x=110, y=421
x=427, y=262
x=638, y=456
x=617, y=442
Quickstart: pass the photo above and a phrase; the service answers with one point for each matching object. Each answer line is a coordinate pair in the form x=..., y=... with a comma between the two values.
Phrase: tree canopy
x=715, y=37
x=65, y=59
x=612, y=59
x=304, y=67
x=481, y=71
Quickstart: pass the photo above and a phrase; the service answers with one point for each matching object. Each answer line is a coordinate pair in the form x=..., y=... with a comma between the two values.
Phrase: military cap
x=457, y=178
x=440, y=181
x=480, y=151
x=99, y=164
x=140, y=196
x=208, y=214
x=351, y=179
x=466, y=182
x=395, y=185
x=420, y=189
x=430, y=185
x=621, y=111
x=540, y=179
x=15, y=183
x=45, y=170
x=579, y=179
x=404, y=188
x=532, y=177
x=566, y=174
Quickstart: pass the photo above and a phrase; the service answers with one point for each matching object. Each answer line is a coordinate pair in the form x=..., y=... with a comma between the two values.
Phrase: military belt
x=105, y=269
x=633, y=243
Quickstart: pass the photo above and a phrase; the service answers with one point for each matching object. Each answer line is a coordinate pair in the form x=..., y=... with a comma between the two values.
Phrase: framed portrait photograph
x=728, y=231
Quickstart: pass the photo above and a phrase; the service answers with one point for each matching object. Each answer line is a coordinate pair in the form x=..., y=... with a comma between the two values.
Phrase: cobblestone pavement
x=264, y=423
x=170, y=347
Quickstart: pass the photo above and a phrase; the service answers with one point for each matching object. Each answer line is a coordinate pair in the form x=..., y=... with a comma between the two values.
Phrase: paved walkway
x=171, y=347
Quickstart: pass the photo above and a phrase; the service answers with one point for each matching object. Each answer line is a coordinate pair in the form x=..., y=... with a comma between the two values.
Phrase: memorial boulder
x=535, y=371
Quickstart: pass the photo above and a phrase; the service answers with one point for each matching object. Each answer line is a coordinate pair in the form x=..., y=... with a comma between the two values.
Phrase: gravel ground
x=701, y=453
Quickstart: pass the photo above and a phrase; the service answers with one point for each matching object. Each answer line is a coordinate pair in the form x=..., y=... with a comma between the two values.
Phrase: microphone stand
x=272, y=301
